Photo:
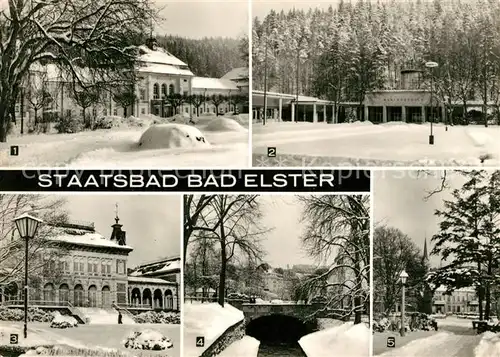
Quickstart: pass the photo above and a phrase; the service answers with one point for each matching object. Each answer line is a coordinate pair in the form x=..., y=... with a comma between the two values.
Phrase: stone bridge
x=301, y=312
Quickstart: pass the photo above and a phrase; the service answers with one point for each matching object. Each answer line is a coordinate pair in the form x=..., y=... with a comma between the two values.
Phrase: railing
x=38, y=303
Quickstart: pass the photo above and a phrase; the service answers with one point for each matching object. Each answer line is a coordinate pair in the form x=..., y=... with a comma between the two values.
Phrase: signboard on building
x=398, y=98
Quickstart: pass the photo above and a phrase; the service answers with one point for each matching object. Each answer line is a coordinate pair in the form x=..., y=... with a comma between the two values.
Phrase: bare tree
x=41, y=254
x=100, y=37
x=193, y=208
x=338, y=233
x=232, y=221
x=37, y=94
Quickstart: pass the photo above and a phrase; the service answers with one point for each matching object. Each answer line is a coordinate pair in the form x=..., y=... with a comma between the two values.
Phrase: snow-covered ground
x=96, y=337
x=489, y=346
x=208, y=320
x=226, y=145
x=444, y=344
x=347, y=340
x=246, y=347
x=366, y=144
x=454, y=321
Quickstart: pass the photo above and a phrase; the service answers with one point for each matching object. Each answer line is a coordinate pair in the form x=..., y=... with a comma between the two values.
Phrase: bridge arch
x=272, y=329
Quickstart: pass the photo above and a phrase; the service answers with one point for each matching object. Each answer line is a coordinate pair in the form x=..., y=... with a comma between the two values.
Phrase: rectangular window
x=90, y=267
x=96, y=268
x=142, y=94
x=82, y=267
x=76, y=267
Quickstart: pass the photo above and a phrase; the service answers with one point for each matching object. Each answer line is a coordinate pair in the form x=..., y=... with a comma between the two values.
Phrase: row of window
x=83, y=265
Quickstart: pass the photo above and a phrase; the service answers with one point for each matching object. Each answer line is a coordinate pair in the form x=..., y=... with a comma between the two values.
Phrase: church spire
x=116, y=213
x=425, y=256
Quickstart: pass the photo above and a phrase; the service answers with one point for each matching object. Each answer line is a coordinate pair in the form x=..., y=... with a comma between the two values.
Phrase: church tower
x=118, y=234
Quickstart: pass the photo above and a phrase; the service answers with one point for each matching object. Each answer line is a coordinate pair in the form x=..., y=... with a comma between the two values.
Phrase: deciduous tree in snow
x=393, y=252
x=233, y=223
x=41, y=256
x=338, y=235
x=93, y=42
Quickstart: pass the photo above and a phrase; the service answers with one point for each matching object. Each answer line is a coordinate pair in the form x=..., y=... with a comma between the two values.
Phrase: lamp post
x=403, y=276
x=265, y=84
x=431, y=65
x=27, y=226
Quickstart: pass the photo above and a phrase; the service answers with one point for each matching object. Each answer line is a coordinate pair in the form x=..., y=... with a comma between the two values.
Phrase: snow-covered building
x=89, y=270
x=409, y=102
x=160, y=74
x=459, y=301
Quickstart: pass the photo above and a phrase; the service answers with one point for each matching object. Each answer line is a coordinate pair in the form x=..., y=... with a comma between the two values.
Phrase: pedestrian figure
x=120, y=317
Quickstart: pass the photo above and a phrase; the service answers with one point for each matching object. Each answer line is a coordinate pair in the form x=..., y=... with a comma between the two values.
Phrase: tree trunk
x=4, y=123
x=222, y=278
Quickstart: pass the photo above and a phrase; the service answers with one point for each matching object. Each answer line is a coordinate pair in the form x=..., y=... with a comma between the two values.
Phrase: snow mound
x=246, y=347
x=210, y=319
x=488, y=346
x=170, y=136
x=224, y=124
x=147, y=340
x=347, y=340
x=63, y=321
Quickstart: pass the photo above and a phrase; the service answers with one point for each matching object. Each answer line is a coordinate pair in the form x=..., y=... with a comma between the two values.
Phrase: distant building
x=92, y=273
x=160, y=74
x=408, y=101
x=459, y=302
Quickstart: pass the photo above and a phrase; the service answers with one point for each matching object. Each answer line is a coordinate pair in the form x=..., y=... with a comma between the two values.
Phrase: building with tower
x=84, y=270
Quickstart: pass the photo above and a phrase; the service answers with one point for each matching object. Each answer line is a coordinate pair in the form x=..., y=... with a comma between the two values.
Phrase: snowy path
x=118, y=148
x=246, y=347
x=444, y=344
x=366, y=144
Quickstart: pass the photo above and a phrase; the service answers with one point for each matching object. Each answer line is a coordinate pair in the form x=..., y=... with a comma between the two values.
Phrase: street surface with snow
x=137, y=143
x=455, y=338
x=367, y=144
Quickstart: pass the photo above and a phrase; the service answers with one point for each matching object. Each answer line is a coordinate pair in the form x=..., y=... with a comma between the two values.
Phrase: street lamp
x=27, y=226
x=431, y=65
x=403, y=276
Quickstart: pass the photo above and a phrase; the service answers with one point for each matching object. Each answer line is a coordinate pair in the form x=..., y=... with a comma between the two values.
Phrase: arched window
x=156, y=91
x=171, y=89
x=48, y=293
x=164, y=90
x=64, y=293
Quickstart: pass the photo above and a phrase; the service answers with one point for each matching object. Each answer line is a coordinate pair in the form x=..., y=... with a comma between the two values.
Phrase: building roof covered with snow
x=84, y=234
x=213, y=83
x=159, y=60
x=145, y=280
x=161, y=267
x=240, y=74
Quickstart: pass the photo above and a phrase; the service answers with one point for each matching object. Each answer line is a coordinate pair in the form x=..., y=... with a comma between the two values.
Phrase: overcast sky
x=283, y=244
x=399, y=202
x=152, y=222
x=203, y=18
x=260, y=8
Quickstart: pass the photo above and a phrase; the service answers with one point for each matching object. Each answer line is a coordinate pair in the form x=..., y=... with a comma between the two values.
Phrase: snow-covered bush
x=62, y=321
x=68, y=124
x=103, y=123
x=169, y=136
x=34, y=315
x=224, y=124
x=162, y=317
x=147, y=340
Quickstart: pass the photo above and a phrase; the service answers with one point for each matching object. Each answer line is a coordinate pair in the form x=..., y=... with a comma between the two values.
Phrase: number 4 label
x=200, y=341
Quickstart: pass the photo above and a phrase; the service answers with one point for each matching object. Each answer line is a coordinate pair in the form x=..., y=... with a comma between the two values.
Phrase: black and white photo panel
x=135, y=84
x=276, y=275
x=90, y=275
x=375, y=83
x=435, y=263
